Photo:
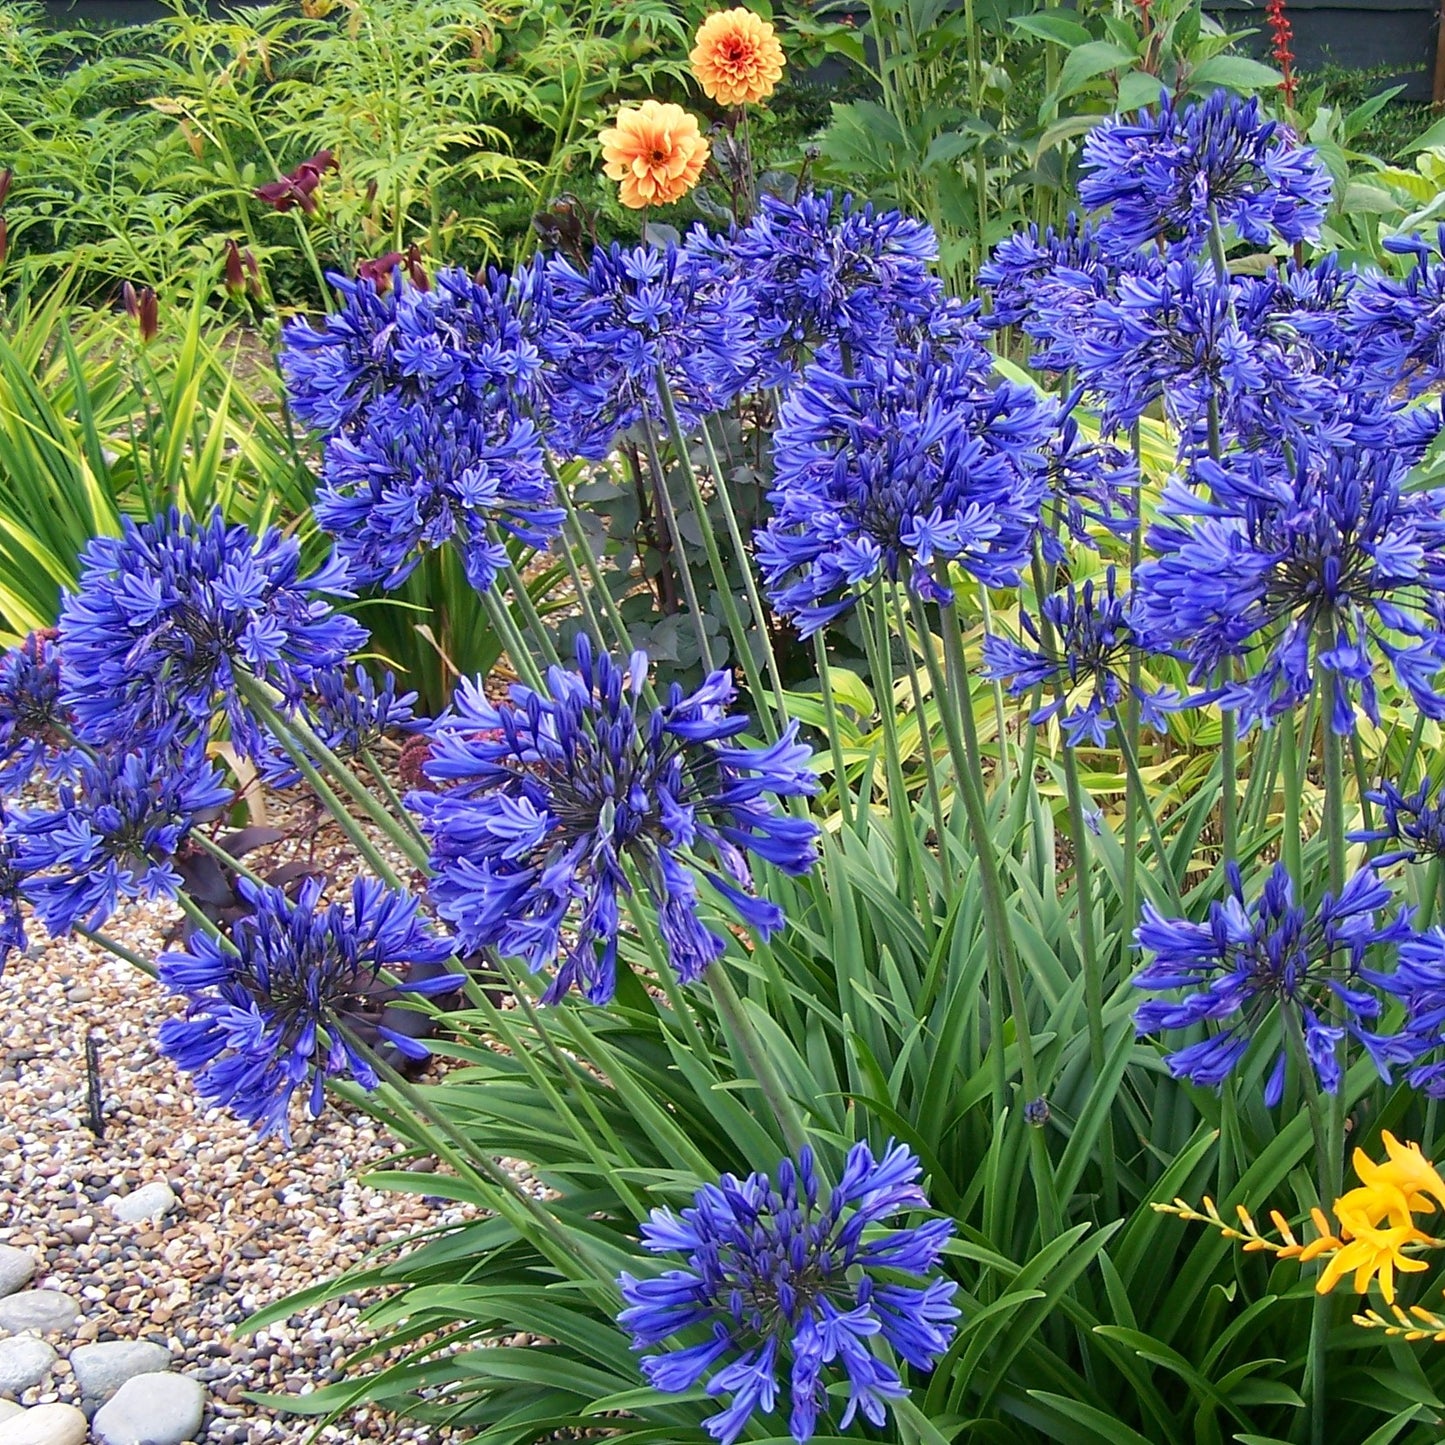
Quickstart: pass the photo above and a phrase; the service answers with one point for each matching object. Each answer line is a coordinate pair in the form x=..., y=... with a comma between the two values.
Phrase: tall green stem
x=732, y=1012
x=925, y=736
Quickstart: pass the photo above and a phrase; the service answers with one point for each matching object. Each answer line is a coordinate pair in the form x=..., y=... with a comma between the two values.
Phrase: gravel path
x=252, y=1222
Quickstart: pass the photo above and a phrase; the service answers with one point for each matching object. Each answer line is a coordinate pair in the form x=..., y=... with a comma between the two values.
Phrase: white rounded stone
x=151, y=1409
x=44, y=1425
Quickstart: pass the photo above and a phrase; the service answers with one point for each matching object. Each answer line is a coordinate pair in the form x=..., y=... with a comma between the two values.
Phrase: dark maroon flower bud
x=370, y=193
x=144, y=307
x=378, y=271
x=253, y=274
x=295, y=188
x=129, y=300
x=415, y=271
x=6, y=176
x=4, y=240
x=235, y=270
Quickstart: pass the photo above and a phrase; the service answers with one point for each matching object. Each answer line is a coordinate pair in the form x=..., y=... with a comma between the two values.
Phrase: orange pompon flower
x=737, y=58
x=655, y=151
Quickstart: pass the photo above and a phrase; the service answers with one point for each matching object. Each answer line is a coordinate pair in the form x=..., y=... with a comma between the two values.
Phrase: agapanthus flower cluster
x=555, y=804
x=913, y=463
x=1092, y=487
x=784, y=1285
x=821, y=270
x=351, y=716
x=1166, y=175
x=1418, y=982
x=114, y=834
x=1026, y=261
x=1400, y=324
x=1249, y=957
x=1084, y=652
x=1413, y=824
x=1325, y=566
x=632, y=314
x=32, y=717
x=419, y=476
x=12, y=879
x=295, y=996
x=166, y=614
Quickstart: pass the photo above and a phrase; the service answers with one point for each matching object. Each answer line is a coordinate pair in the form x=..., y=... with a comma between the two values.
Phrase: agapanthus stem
x=105, y=941
x=750, y=581
x=206, y=925
x=530, y=615
x=925, y=736
x=963, y=733
x=830, y=715
x=513, y=643
x=511, y=1200
x=734, y=1015
x=741, y=644
x=1000, y=716
x=678, y=555
x=224, y=858
x=877, y=644
x=393, y=798
x=1291, y=845
x=1156, y=838
x=1133, y=798
x=299, y=739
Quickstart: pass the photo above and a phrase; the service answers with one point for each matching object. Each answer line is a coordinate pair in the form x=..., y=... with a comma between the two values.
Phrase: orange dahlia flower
x=655, y=151
x=737, y=58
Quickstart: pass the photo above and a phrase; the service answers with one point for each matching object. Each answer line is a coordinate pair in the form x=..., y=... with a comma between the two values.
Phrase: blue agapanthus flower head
x=824, y=270
x=1026, y=260
x=473, y=344
x=785, y=1291
x=282, y=1004
x=556, y=804
x=12, y=880
x=1399, y=325
x=1418, y=982
x=419, y=475
x=1093, y=487
x=351, y=715
x=629, y=314
x=1327, y=565
x=1092, y=634
x=114, y=834
x=166, y=613
x=32, y=717
x=1411, y=825
x=913, y=463
x=1163, y=173
x=1249, y=957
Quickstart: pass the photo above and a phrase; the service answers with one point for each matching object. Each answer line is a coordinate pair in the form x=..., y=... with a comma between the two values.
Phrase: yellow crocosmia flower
x=1374, y=1252
x=1405, y=1168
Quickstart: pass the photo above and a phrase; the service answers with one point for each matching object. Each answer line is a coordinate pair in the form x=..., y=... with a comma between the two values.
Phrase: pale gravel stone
x=46, y=1311
x=7, y=1409
x=148, y=1203
x=17, y=1269
x=152, y=1409
x=52, y=1424
x=100, y=1370
x=25, y=1360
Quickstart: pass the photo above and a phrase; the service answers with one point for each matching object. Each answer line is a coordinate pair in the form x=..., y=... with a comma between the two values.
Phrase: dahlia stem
x=734, y=1015
x=678, y=556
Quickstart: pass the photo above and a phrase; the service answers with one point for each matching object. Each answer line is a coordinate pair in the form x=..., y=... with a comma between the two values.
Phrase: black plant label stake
x=94, y=1104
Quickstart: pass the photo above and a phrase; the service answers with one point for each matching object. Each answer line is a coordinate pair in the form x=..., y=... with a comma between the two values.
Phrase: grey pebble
x=150, y=1201
x=151, y=1409
x=100, y=1370
x=45, y=1311
x=17, y=1266
x=25, y=1360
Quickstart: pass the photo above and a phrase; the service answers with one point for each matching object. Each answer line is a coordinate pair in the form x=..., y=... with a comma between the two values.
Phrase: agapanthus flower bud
x=32, y=717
